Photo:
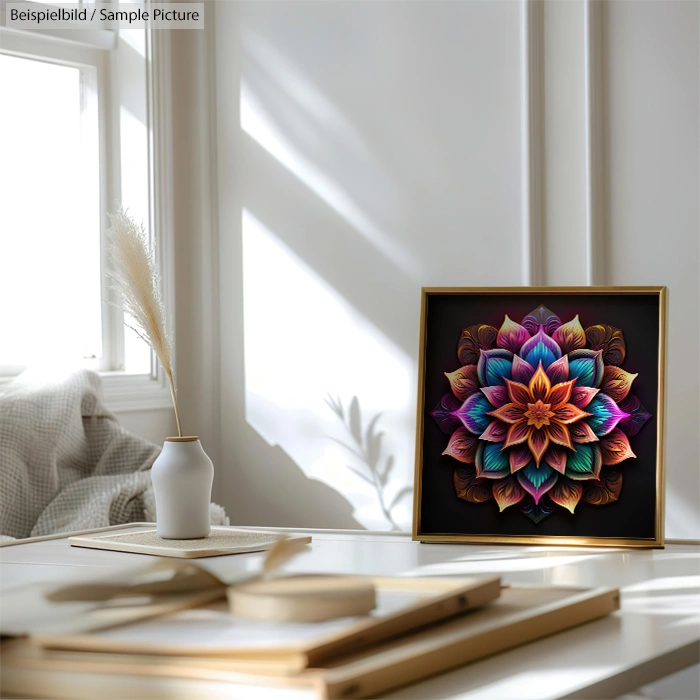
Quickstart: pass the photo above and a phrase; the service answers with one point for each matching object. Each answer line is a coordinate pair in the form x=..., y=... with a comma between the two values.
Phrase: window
x=77, y=139
x=50, y=213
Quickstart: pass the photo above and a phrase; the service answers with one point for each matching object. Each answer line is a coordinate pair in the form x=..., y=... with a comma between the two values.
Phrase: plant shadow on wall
x=367, y=447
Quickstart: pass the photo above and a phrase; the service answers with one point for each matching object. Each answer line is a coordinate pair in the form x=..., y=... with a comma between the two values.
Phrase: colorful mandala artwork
x=540, y=414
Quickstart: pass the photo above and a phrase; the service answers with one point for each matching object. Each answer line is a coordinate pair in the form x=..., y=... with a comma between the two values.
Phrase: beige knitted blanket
x=65, y=462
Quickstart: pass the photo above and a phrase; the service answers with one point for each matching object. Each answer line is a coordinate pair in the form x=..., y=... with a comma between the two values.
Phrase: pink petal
x=512, y=335
x=518, y=433
x=497, y=395
x=558, y=433
x=538, y=442
x=582, y=432
x=615, y=447
x=568, y=413
x=581, y=396
x=556, y=458
x=559, y=371
x=522, y=371
x=537, y=491
x=462, y=446
x=496, y=432
x=520, y=457
x=561, y=393
x=510, y=413
x=518, y=393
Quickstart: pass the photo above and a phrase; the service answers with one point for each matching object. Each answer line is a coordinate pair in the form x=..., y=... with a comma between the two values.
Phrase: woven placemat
x=221, y=541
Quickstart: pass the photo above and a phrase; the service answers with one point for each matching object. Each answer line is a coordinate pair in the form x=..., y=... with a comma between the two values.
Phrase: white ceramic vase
x=182, y=476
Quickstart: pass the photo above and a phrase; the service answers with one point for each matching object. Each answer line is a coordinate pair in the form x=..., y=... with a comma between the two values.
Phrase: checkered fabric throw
x=65, y=462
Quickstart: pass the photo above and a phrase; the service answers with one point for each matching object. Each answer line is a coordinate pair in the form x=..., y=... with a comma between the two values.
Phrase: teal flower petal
x=605, y=414
x=473, y=412
x=583, y=462
x=540, y=348
x=587, y=367
x=537, y=480
x=495, y=366
x=491, y=461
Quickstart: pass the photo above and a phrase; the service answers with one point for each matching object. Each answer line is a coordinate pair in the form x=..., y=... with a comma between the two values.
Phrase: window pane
x=50, y=284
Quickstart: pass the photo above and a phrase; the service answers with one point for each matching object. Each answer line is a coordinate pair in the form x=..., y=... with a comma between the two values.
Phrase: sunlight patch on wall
x=304, y=343
x=260, y=125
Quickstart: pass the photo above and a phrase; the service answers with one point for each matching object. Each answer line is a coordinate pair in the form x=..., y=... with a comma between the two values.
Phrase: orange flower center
x=538, y=414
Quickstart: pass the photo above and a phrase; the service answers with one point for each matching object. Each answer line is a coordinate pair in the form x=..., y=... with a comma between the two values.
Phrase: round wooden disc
x=304, y=598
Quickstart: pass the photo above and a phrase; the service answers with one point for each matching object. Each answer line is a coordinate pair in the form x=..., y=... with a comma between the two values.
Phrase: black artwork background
x=633, y=515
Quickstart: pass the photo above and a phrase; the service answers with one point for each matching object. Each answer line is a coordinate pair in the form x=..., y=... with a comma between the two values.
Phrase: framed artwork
x=540, y=416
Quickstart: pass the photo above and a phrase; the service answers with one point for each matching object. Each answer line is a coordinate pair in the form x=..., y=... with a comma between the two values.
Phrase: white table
x=656, y=632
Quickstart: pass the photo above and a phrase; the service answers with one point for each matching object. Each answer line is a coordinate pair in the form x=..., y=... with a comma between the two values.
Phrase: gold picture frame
x=427, y=533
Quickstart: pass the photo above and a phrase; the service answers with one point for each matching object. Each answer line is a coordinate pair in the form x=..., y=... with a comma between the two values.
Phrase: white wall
x=194, y=249
x=652, y=120
x=367, y=149
x=366, y=165
x=153, y=425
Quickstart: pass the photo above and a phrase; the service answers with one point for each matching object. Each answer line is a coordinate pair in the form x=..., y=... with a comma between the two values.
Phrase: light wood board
x=522, y=614
x=404, y=605
x=221, y=541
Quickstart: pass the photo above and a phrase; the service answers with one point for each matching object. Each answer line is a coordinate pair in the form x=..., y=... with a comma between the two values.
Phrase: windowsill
x=123, y=393
x=134, y=392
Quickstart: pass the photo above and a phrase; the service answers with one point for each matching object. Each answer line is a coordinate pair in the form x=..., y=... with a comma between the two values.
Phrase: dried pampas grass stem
x=137, y=281
x=281, y=552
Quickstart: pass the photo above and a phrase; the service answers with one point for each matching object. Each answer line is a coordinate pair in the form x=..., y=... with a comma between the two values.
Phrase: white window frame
x=98, y=49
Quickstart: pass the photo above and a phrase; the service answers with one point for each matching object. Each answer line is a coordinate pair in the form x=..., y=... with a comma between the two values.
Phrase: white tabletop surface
x=655, y=633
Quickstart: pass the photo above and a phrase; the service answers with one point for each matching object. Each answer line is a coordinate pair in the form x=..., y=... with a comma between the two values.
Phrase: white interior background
x=341, y=155
x=332, y=157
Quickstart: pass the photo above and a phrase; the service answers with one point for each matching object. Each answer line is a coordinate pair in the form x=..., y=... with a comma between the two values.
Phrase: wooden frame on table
x=616, y=324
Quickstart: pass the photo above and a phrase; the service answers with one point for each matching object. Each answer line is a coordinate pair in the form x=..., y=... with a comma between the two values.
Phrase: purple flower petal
x=541, y=317
x=637, y=415
x=540, y=348
x=445, y=414
x=495, y=366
